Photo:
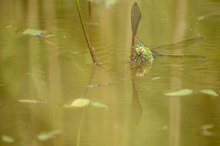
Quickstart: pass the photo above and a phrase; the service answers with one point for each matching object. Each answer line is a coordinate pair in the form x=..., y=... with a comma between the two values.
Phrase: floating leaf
x=44, y=136
x=50, y=35
x=99, y=105
x=201, y=18
x=7, y=139
x=207, y=133
x=207, y=126
x=33, y=32
x=80, y=102
x=209, y=92
x=181, y=92
x=30, y=101
x=8, y=26
x=155, y=78
x=47, y=135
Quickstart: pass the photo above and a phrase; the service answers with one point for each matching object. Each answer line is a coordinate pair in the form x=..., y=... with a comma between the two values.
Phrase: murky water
x=43, y=80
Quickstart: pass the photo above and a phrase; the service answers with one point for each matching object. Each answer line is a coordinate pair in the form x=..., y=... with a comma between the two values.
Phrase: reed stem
x=91, y=49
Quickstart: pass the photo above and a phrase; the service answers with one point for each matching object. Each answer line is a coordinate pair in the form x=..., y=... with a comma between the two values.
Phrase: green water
x=39, y=79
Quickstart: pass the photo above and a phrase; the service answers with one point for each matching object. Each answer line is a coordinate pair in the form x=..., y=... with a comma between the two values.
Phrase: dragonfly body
x=143, y=54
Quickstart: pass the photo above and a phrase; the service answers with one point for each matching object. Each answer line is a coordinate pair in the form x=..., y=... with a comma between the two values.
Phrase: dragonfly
x=142, y=53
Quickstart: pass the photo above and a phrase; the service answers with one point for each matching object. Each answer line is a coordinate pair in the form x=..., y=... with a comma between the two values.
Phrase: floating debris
x=33, y=32
x=83, y=102
x=155, y=78
x=98, y=85
x=8, y=26
x=206, y=129
x=80, y=102
x=7, y=139
x=207, y=126
x=47, y=135
x=99, y=105
x=181, y=92
x=209, y=92
x=31, y=101
x=36, y=33
x=210, y=15
x=207, y=133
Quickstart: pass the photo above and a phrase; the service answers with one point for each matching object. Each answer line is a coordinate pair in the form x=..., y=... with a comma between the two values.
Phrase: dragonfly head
x=139, y=50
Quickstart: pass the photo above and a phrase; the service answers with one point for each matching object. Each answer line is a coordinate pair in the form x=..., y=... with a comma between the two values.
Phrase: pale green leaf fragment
x=207, y=126
x=80, y=102
x=8, y=26
x=99, y=105
x=30, y=101
x=155, y=78
x=49, y=36
x=47, y=135
x=181, y=92
x=209, y=92
x=44, y=136
x=33, y=32
x=200, y=18
x=7, y=139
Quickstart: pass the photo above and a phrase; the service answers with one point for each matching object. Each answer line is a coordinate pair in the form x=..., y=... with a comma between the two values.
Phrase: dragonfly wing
x=135, y=17
x=178, y=56
x=181, y=44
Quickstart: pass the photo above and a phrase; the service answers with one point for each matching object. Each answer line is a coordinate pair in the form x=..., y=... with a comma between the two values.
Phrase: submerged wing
x=135, y=17
x=157, y=54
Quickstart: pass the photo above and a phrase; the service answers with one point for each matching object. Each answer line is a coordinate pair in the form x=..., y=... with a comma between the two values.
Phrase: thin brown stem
x=132, y=45
x=91, y=49
x=90, y=9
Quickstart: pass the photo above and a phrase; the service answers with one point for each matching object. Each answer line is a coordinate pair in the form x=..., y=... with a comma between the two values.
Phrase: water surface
x=38, y=79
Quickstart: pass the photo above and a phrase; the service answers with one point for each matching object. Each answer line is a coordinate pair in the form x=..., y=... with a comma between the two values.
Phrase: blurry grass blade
x=135, y=17
x=181, y=44
x=209, y=92
x=181, y=92
x=7, y=139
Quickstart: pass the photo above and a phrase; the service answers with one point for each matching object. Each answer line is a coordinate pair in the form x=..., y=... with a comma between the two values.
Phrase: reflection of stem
x=49, y=42
x=137, y=109
x=91, y=49
x=90, y=9
x=132, y=45
x=84, y=110
x=175, y=103
x=80, y=128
